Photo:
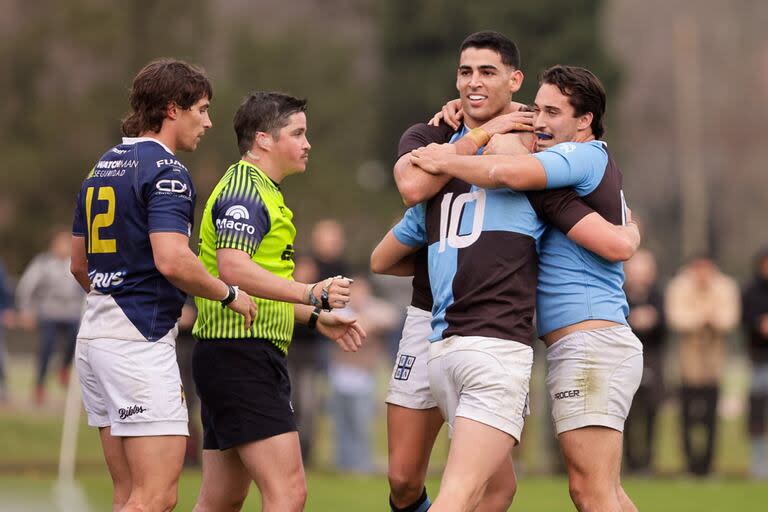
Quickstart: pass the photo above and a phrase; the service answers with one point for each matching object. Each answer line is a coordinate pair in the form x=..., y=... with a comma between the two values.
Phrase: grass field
x=30, y=444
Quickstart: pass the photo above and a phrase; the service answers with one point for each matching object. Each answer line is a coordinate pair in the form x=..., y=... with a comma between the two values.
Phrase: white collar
x=134, y=140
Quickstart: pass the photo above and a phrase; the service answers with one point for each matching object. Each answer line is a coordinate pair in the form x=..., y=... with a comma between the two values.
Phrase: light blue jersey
x=576, y=284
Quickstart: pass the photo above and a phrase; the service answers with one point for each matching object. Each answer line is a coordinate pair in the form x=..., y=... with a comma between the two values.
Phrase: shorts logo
x=404, y=367
x=237, y=212
x=573, y=393
x=130, y=411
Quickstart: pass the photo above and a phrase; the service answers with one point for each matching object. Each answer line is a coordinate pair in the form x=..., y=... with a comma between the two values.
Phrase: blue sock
x=420, y=505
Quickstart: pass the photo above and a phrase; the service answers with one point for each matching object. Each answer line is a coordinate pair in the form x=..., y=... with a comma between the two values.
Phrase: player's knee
x=501, y=497
x=587, y=495
x=404, y=486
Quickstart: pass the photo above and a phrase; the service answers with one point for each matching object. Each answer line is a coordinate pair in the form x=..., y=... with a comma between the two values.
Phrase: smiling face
x=485, y=85
x=192, y=123
x=556, y=118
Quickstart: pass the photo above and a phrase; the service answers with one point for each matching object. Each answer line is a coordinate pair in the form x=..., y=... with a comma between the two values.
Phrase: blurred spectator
x=307, y=365
x=646, y=317
x=702, y=306
x=352, y=377
x=6, y=320
x=755, y=318
x=185, y=344
x=48, y=295
x=328, y=243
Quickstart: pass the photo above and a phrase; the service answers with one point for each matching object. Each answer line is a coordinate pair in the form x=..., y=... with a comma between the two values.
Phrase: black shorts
x=244, y=389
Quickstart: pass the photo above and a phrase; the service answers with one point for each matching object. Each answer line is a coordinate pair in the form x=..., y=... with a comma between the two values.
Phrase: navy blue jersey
x=136, y=188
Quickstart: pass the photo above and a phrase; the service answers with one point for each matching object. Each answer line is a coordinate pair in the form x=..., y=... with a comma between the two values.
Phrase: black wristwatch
x=313, y=317
x=232, y=292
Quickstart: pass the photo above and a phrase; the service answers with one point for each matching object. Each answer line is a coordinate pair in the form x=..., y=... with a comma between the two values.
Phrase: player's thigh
x=411, y=433
x=225, y=481
x=477, y=451
x=274, y=463
x=592, y=453
x=155, y=462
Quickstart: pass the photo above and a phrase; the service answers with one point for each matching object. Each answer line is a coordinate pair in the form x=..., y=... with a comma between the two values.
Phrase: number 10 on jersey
x=450, y=219
x=96, y=244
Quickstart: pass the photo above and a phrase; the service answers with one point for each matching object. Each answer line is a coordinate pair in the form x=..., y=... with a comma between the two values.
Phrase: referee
x=247, y=234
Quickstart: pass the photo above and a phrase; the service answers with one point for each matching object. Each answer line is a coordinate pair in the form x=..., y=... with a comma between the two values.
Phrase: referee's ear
x=264, y=141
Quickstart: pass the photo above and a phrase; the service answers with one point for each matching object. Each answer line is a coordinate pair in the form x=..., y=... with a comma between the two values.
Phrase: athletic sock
x=420, y=505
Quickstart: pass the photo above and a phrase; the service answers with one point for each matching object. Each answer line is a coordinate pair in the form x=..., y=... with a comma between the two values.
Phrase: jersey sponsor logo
x=119, y=151
x=237, y=212
x=404, y=366
x=568, y=147
x=288, y=253
x=171, y=186
x=237, y=226
x=126, y=412
x=170, y=162
x=572, y=393
x=106, y=280
x=117, y=164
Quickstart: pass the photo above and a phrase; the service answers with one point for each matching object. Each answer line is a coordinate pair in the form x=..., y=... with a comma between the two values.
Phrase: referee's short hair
x=499, y=43
x=159, y=83
x=584, y=90
x=264, y=112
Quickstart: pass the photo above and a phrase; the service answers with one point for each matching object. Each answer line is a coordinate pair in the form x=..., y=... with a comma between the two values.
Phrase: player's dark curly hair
x=501, y=44
x=159, y=83
x=584, y=90
x=266, y=112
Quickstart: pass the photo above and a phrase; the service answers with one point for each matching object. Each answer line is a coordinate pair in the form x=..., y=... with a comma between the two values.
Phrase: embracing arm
x=79, y=263
x=393, y=257
x=609, y=241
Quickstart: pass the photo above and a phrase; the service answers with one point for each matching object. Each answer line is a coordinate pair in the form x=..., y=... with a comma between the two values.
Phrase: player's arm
x=609, y=241
x=566, y=211
x=393, y=257
x=78, y=265
x=346, y=332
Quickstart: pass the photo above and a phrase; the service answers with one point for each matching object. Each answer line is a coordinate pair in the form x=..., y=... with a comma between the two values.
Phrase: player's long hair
x=159, y=83
x=584, y=90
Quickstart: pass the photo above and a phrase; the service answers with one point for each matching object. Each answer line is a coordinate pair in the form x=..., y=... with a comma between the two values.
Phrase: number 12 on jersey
x=96, y=244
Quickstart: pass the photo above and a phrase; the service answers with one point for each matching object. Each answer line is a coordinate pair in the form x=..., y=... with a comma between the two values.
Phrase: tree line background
x=370, y=69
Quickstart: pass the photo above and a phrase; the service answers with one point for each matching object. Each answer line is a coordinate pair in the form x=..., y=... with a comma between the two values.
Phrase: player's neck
x=471, y=122
x=162, y=137
x=265, y=165
x=586, y=136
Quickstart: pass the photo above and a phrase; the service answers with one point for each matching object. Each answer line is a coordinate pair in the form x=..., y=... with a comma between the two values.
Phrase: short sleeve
x=420, y=135
x=170, y=200
x=78, y=224
x=577, y=165
x=411, y=230
x=241, y=220
x=562, y=208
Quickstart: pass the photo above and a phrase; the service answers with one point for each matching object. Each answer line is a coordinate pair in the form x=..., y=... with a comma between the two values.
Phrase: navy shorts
x=244, y=390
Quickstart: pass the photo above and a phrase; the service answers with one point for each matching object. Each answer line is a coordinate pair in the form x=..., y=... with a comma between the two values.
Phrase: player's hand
x=451, y=114
x=244, y=305
x=511, y=144
x=337, y=290
x=431, y=158
x=346, y=332
x=520, y=121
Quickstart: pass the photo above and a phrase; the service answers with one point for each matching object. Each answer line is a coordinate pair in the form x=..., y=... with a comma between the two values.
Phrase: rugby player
x=247, y=237
x=594, y=360
x=130, y=252
x=487, y=76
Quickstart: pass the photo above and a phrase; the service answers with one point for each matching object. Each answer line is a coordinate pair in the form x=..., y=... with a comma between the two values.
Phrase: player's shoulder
x=593, y=147
x=440, y=133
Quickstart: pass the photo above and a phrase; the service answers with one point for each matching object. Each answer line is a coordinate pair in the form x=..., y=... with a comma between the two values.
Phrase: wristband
x=324, y=294
x=313, y=317
x=478, y=136
x=232, y=293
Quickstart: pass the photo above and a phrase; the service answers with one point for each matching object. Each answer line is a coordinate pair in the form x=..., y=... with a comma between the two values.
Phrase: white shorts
x=134, y=387
x=483, y=379
x=592, y=377
x=409, y=383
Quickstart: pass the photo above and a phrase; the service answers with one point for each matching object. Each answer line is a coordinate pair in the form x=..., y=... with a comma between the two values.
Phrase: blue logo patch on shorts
x=404, y=367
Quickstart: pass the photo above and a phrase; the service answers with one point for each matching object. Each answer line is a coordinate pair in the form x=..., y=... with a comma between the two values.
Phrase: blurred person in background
x=702, y=306
x=307, y=368
x=185, y=344
x=352, y=379
x=646, y=317
x=7, y=319
x=48, y=295
x=328, y=244
x=755, y=321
